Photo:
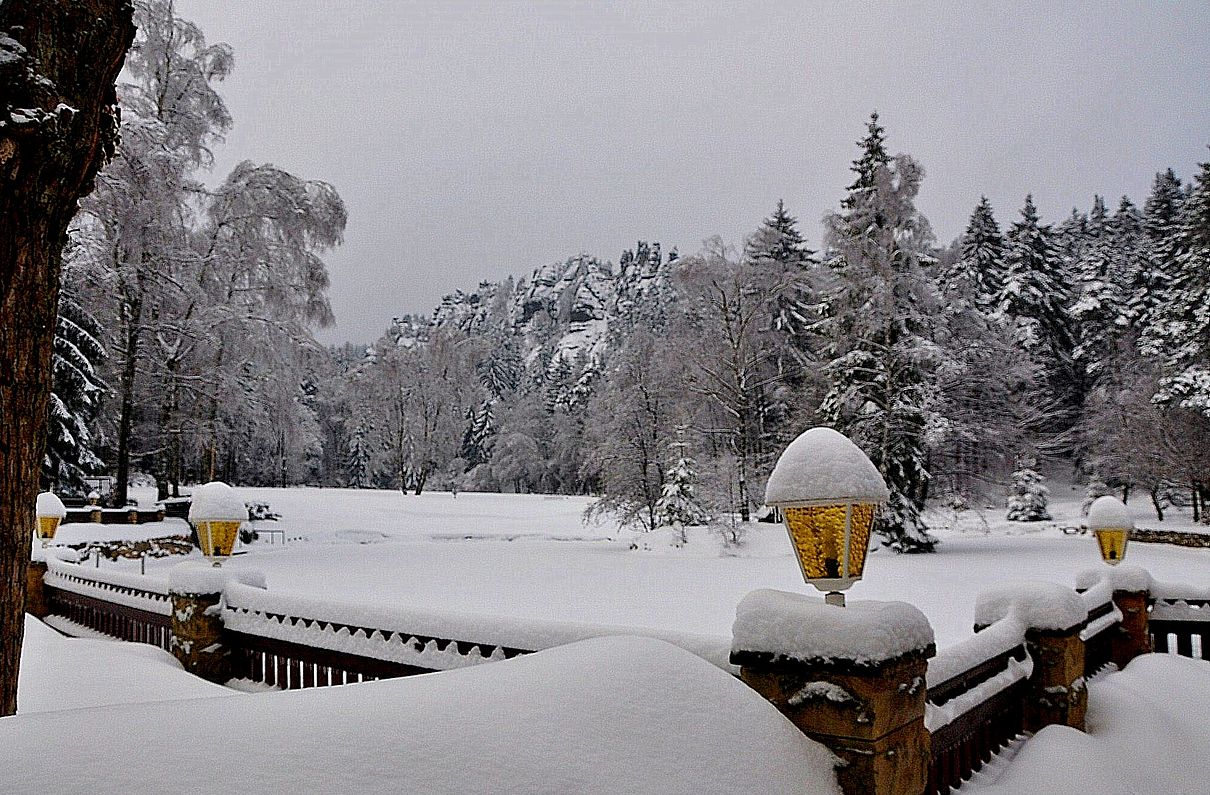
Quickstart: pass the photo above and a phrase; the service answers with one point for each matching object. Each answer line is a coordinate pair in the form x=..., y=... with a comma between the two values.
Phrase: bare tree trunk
x=60, y=73
x=130, y=367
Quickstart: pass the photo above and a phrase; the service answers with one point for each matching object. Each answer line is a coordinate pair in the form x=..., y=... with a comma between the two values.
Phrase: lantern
x=828, y=491
x=217, y=513
x=1109, y=520
x=50, y=513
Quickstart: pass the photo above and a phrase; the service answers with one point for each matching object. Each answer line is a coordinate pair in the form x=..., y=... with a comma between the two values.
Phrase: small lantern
x=828, y=491
x=1109, y=520
x=50, y=512
x=217, y=512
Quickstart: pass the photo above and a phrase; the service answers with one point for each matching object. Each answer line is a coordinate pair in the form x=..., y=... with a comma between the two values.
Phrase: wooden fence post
x=1053, y=615
x=35, y=590
x=851, y=678
x=1133, y=636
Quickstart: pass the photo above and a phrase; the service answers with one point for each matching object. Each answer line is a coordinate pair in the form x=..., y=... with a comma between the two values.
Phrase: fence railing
x=1181, y=626
x=128, y=607
x=976, y=689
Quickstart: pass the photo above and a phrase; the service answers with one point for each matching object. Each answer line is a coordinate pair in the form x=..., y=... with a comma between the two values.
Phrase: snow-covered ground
x=532, y=556
x=606, y=715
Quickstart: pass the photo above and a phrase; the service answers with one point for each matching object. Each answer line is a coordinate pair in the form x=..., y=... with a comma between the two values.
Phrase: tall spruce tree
x=979, y=271
x=1179, y=335
x=1035, y=300
x=878, y=334
x=1161, y=216
x=75, y=399
x=779, y=256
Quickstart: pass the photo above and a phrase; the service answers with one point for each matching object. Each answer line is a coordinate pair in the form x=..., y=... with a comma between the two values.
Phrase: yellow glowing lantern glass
x=828, y=491
x=1112, y=541
x=825, y=550
x=217, y=539
x=1109, y=520
x=47, y=525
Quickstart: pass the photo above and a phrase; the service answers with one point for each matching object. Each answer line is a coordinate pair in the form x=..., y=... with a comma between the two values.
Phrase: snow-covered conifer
x=357, y=458
x=979, y=271
x=75, y=397
x=679, y=506
x=1027, y=496
x=879, y=330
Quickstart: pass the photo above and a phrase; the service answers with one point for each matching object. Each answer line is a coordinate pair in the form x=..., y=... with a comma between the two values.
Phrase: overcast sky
x=475, y=140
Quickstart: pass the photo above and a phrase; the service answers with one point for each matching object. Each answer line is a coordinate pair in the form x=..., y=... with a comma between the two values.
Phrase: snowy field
x=532, y=556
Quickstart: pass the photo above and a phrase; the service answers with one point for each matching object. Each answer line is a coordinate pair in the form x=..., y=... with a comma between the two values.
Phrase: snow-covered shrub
x=679, y=505
x=1027, y=496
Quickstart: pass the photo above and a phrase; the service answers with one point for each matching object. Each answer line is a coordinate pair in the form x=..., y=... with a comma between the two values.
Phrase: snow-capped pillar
x=1054, y=616
x=1134, y=635
x=196, y=591
x=1131, y=595
x=851, y=678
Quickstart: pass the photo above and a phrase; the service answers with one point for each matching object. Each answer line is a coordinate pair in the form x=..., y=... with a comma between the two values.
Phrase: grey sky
x=474, y=140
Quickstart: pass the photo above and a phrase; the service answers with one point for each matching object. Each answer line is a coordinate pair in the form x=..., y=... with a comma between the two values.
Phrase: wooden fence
x=975, y=701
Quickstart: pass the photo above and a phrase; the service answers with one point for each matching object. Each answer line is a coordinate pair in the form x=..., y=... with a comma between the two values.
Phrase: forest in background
x=185, y=348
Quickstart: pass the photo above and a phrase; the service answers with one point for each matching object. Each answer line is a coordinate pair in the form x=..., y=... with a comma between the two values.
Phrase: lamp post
x=828, y=491
x=1109, y=520
x=217, y=512
x=50, y=513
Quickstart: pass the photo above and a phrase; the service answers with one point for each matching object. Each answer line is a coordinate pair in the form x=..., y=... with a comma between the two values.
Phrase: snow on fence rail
x=290, y=641
x=129, y=607
x=975, y=697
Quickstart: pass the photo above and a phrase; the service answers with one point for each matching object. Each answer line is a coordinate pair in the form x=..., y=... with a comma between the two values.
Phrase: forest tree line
x=185, y=347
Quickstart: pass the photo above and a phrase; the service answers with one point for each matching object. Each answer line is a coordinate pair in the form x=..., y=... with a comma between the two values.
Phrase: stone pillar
x=854, y=692
x=35, y=590
x=197, y=635
x=1133, y=636
x=1057, y=692
x=1053, y=616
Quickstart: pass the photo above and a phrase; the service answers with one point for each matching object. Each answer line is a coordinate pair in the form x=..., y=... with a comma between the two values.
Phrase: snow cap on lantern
x=50, y=512
x=1109, y=519
x=827, y=490
x=217, y=512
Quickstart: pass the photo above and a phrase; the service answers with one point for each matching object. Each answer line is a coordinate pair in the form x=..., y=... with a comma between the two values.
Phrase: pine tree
x=1161, y=218
x=1034, y=292
x=1027, y=497
x=1179, y=336
x=357, y=459
x=679, y=505
x=75, y=398
x=780, y=258
x=980, y=269
x=879, y=330
x=476, y=441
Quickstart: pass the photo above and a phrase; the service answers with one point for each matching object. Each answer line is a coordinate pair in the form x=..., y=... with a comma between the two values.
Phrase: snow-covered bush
x=679, y=505
x=1027, y=496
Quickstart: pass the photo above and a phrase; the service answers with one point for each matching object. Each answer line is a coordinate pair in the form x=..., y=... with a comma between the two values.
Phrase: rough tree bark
x=58, y=122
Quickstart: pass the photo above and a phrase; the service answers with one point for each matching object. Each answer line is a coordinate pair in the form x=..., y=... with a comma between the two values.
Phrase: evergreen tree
x=75, y=399
x=357, y=459
x=1027, y=497
x=780, y=260
x=1161, y=217
x=1179, y=336
x=980, y=270
x=476, y=442
x=879, y=330
x=1034, y=292
x=679, y=505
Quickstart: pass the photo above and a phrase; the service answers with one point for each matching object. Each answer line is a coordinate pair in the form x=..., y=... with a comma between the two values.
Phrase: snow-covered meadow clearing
x=533, y=556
